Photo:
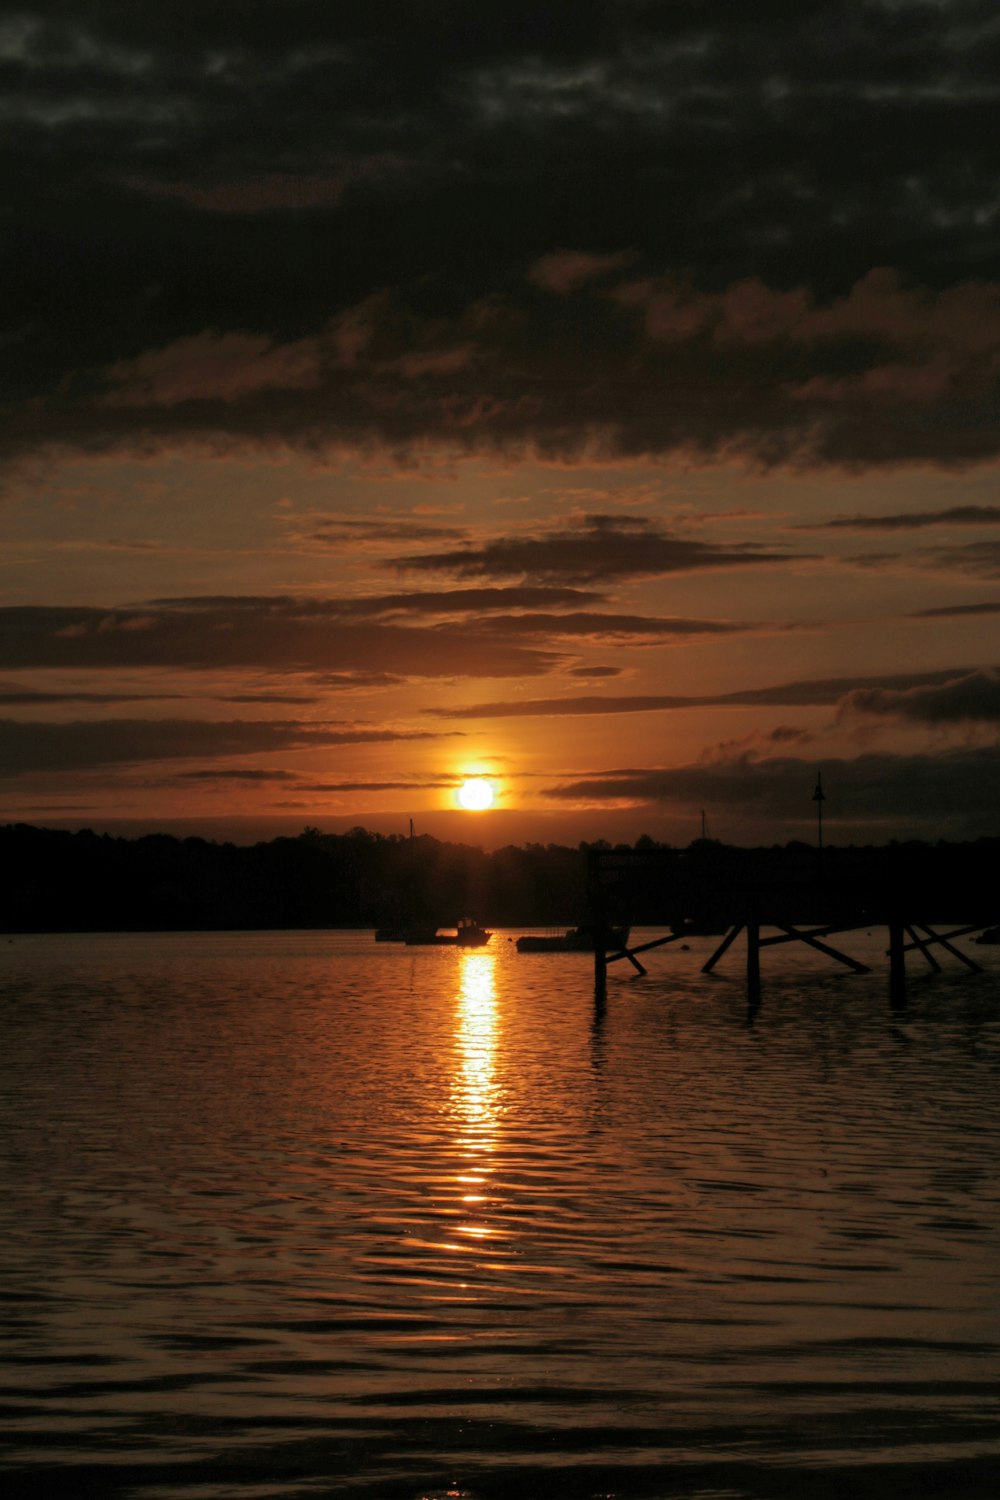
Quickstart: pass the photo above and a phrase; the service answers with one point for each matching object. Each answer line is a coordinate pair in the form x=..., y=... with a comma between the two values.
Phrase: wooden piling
x=897, y=964
x=600, y=967
x=753, y=960
x=599, y=918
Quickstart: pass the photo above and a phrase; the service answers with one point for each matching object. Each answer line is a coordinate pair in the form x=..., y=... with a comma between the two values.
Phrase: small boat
x=467, y=934
x=576, y=940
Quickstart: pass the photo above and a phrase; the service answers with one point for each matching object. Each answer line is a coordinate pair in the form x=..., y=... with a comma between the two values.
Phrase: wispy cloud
x=957, y=611
x=976, y=559
x=816, y=692
x=230, y=773
x=600, y=626
x=954, y=515
x=12, y=697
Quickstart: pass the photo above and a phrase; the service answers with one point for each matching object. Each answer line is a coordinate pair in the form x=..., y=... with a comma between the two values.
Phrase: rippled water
x=299, y=1214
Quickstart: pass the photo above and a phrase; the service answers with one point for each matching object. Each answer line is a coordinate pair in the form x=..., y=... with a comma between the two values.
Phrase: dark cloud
x=355, y=681
x=810, y=693
x=562, y=228
x=929, y=790
x=956, y=611
x=977, y=559
x=601, y=548
x=375, y=786
x=235, y=774
x=608, y=627
x=885, y=374
x=443, y=602
x=973, y=698
x=275, y=635
x=288, y=699
x=460, y=602
x=758, y=742
x=384, y=531
x=30, y=747
x=955, y=515
x=349, y=644
x=24, y=698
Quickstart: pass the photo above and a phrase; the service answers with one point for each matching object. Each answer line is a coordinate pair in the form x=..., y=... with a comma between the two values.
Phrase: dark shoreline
x=84, y=882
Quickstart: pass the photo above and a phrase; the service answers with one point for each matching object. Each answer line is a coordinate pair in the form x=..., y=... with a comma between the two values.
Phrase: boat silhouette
x=467, y=934
x=575, y=940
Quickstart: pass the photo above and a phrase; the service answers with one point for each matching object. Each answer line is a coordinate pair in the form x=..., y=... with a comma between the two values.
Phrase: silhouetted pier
x=925, y=898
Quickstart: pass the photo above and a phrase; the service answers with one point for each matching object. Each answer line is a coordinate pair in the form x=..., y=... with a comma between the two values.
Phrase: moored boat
x=467, y=934
x=576, y=940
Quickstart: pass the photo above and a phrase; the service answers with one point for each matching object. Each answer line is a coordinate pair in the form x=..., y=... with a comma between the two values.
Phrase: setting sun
x=475, y=795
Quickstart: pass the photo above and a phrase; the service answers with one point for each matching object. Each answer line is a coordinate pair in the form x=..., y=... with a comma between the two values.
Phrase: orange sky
x=386, y=412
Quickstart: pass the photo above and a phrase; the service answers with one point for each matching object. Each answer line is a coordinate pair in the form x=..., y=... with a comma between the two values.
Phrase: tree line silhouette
x=60, y=881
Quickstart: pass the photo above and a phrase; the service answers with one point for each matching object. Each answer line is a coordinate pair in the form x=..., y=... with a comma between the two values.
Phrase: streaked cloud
x=602, y=548
x=274, y=635
x=601, y=626
x=818, y=692
x=231, y=773
x=954, y=515
x=27, y=748
x=957, y=611
x=13, y=697
x=977, y=559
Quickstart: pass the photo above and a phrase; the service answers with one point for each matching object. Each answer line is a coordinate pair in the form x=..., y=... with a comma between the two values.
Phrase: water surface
x=298, y=1214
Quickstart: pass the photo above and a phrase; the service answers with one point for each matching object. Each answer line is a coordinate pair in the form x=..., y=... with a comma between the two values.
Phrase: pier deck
x=924, y=897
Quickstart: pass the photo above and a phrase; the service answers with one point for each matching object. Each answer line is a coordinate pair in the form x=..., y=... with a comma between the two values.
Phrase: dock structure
x=771, y=897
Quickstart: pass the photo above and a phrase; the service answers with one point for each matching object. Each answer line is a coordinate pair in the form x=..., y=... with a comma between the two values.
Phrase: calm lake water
x=303, y=1215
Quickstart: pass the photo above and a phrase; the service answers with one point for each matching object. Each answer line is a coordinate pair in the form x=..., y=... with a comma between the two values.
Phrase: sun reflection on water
x=475, y=1092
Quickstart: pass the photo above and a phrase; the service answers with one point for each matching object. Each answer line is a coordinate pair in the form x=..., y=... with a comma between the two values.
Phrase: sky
x=600, y=399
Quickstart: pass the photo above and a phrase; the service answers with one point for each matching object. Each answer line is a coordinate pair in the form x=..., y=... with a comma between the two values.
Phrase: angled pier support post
x=629, y=953
x=791, y=934
x=942, y=938
x=924, y=947
x=729, y=938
